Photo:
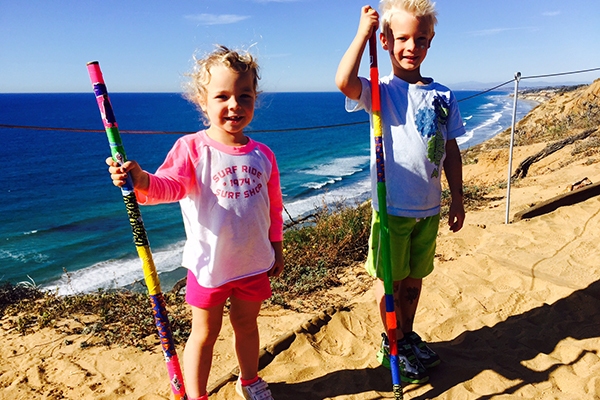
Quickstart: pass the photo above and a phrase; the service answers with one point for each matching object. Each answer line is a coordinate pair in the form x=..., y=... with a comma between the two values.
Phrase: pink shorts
x=252, y=288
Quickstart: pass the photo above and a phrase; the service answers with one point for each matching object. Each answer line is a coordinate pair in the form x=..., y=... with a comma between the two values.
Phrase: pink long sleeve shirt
x=231, y=202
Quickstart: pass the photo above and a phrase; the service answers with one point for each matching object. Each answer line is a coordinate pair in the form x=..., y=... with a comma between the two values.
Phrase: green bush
x=315, y=252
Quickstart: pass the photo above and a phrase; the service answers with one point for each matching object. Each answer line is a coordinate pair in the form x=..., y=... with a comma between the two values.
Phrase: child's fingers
x=370, y=18
x=276, y=270
x=453, y=217
x=371, y=12
x=111, y=163
x=115, y=167
x=456, y=221
x=118, y=173
x=118, y=178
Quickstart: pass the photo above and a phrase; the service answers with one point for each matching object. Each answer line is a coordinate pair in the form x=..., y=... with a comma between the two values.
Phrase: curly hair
x=240, y=62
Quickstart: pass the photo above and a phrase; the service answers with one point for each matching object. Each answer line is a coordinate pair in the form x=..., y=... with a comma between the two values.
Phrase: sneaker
x=411, y=370
x=426, y=356
x=259, y=390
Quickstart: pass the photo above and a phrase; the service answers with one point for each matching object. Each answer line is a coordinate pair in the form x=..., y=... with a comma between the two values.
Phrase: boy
x=420, y=122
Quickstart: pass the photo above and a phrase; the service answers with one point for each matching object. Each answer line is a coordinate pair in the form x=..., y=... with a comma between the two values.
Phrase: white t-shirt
x=231, y=202
x=416, y=120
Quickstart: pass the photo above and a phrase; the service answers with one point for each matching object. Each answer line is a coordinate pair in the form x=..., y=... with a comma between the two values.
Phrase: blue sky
x=147, y=45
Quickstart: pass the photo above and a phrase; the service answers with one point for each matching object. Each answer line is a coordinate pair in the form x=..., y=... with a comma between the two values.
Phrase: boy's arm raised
x=346, y=77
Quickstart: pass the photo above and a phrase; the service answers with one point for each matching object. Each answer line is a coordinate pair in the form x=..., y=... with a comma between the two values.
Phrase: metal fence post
x=512, y=140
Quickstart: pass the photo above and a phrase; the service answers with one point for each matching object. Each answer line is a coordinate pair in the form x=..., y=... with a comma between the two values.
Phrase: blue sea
x=63, y=225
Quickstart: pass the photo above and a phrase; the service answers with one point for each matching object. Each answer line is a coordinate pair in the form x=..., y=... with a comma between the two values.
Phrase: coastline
x=510, y=308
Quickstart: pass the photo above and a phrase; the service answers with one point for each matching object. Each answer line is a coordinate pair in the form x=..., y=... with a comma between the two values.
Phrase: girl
x=228, y=188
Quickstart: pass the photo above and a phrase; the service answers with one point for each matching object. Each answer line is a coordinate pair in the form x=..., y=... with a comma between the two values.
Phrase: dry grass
x=109, y=317
x=318, y=251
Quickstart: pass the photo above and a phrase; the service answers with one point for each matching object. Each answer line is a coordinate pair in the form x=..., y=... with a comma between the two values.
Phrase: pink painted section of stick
x=176, y=378
x=95, y=73
x=108, y=116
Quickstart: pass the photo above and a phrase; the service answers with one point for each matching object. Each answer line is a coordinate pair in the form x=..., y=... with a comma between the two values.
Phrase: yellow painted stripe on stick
x=150, y=274
x=377, y=123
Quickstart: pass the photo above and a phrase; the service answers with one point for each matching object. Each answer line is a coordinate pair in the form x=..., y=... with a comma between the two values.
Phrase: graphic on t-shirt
x=237, y=182
x=429, y=122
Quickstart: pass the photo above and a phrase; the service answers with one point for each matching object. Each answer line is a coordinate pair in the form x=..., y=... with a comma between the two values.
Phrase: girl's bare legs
x=243, y=315
x=198, y=353
x=406, y=300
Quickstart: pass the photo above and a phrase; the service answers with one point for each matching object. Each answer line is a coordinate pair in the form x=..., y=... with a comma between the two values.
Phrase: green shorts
x=412, y=246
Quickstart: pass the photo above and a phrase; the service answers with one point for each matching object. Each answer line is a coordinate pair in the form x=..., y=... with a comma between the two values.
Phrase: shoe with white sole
x=259, y=390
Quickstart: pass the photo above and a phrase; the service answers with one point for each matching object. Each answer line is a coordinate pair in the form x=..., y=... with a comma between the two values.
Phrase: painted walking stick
x=384, y=240
x=139, y=234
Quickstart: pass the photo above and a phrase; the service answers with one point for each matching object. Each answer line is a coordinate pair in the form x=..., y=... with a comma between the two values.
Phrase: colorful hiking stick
x=139, y=234
x=384, y=240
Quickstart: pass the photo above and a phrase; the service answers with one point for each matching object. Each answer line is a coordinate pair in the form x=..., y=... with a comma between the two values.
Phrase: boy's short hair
x=419, y=8
x=239, y=62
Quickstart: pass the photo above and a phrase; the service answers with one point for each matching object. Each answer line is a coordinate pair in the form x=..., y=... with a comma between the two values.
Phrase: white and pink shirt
x=231, y=203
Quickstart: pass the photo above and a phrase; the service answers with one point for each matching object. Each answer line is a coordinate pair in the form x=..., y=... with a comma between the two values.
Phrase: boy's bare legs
x=198, y=353
x=406, y=300
x=243, y=315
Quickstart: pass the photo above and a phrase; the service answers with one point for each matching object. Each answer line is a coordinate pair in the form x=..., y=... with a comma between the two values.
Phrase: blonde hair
x=240, y=62
x=424, y=9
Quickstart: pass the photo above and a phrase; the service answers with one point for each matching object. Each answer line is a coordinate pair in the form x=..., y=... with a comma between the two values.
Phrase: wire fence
x=296, y=129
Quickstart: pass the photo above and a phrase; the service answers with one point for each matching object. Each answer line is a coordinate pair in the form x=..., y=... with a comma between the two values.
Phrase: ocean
x=63, y=225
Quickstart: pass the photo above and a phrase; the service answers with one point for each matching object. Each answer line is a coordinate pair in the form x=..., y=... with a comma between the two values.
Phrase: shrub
x=315, y=253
